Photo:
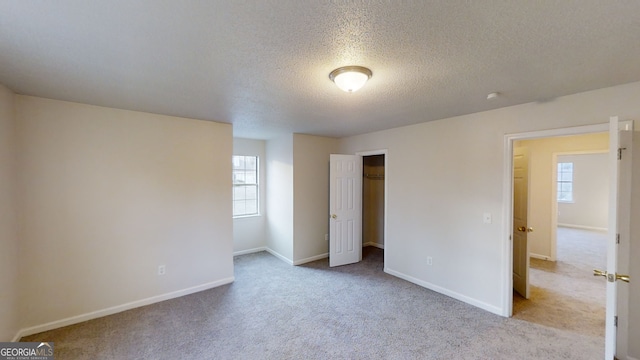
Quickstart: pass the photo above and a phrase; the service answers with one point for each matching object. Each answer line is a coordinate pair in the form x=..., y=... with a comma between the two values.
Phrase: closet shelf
x=374, y=176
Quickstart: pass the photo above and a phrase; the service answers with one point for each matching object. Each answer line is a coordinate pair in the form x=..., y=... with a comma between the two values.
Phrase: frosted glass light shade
x=350, y=78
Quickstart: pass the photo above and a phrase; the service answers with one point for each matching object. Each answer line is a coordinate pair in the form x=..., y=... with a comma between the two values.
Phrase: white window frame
x=237, y=185
x=560, y=182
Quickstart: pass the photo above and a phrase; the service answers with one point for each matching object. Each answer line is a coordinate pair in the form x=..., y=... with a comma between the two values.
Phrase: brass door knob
x=530, y=229
x=522, y=229
x=333, y=216
x=624, y=278
x=611, y=277
x=597, y=272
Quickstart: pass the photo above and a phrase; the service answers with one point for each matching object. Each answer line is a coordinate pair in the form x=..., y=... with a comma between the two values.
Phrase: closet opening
x=373, y=194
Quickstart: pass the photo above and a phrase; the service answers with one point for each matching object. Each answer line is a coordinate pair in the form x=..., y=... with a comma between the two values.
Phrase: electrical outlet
x=162, y=269
x=429, y=260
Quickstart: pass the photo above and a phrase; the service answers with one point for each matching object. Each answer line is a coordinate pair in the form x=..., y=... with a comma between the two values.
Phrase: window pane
x=566, y=166
x=565, y=181
x=251, y=207
x=250, y=177
x=251, y=192
x=238, y=177
x=245, y=181
x=239, y=208
x=239, y=193
x=251, y=162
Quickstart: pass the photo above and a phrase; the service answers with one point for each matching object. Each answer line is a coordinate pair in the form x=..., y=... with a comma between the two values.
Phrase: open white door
x=619, y=242
x=345, y=208
x=520, y=228
x=629, y=293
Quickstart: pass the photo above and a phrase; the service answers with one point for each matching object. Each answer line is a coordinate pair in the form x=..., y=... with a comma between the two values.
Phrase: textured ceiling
x=264, y=65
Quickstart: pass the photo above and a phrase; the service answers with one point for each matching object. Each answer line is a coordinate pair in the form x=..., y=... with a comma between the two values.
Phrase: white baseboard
x=538, y=256
x=119, y=308
x=371, y=243
x=482, y=305
x=583, y=227
x=281, y=257
x=310, y=259
x=297, y=262
x=249, y=251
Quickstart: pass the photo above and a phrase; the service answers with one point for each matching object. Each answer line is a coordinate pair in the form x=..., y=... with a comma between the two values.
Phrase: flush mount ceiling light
x=350, y=78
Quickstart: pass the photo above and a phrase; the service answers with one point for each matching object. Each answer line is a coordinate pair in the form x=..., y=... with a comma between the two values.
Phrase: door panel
x=628, y=294
x=621, y=241
x=345, y=199
x=612, y=250
x=633, y=269
x=520, y=209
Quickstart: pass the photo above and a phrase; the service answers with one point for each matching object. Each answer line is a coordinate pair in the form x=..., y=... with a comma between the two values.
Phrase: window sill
x=246, y=216
x=566, y=202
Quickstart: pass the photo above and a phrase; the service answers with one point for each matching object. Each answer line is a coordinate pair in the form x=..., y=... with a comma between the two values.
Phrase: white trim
x=248, y=216
x=373, y=152
x=581, y=152
x=593, y=228
x=249, y=251
x=538, y=256
x=120, y=308
x=507, y=221
x=507, y=196
x=372, y=243
x=447, y=292
x=281, y=257
x=310, y=259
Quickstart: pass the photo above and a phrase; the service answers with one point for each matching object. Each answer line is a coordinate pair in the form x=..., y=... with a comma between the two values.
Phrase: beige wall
x=541, y=181
x=298, y=196
x=279, y=154
x=311, y=196
x=9, y=318
x=249, y=233
x=589, y=208
x=106, y=196
x=443, y=175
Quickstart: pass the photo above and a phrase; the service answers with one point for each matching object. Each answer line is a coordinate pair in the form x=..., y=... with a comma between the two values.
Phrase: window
x=245, y=185
x=565, y=182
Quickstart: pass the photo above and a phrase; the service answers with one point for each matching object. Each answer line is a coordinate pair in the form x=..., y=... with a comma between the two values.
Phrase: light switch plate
x=486, y=218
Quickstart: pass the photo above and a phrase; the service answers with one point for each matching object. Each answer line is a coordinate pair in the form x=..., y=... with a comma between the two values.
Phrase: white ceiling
x=264, y=65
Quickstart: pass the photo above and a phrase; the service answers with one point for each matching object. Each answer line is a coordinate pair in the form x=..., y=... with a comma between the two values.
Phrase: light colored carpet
x=565, y=294
x=277, y=311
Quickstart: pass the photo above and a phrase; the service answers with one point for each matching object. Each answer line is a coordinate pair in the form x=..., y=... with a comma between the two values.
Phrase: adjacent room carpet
x=277, y=311
x=564, y=294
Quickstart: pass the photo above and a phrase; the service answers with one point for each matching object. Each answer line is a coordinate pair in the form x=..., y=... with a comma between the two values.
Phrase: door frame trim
x=384, y=152
x=507, y=196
